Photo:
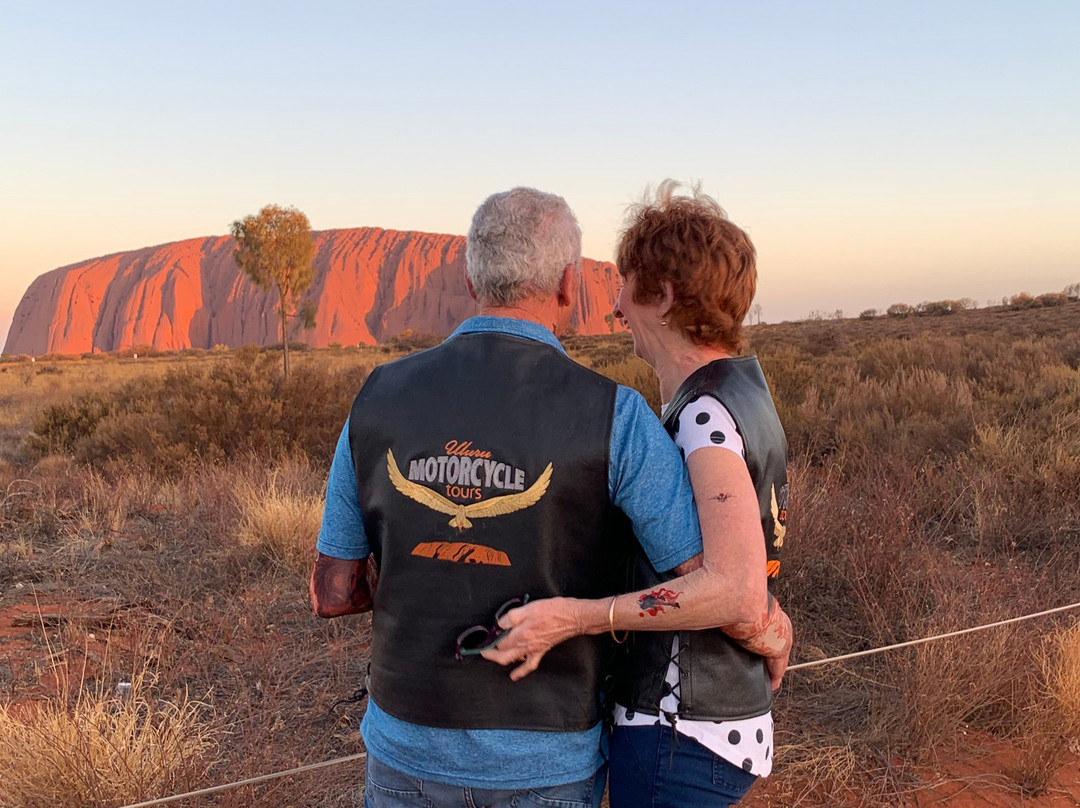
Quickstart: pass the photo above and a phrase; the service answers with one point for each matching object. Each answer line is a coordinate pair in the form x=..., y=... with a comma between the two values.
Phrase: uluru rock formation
x=370, y=284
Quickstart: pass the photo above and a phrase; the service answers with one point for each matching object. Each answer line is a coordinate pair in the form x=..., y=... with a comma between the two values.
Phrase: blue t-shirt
x=646, y=479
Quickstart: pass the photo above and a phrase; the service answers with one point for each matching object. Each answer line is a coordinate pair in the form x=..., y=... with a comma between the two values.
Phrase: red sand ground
x=978, y=779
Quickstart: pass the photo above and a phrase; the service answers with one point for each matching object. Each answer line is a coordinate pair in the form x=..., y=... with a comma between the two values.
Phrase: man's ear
x=568, y=286
x=468, y=285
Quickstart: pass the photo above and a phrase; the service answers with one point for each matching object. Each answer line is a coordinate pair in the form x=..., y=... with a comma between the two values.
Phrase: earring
x=663, y=323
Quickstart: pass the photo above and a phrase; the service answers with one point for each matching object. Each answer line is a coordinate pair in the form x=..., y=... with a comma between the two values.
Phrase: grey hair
x=519, y=243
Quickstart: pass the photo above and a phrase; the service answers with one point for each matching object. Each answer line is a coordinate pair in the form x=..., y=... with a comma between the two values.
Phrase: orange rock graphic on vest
x=461, y=552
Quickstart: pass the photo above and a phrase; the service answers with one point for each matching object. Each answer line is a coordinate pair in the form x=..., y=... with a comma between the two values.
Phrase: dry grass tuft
x=634, y=373
x=1052, y=723
x=281, y=512
x=103, y=750
x=1062, y=671
x=816, y=767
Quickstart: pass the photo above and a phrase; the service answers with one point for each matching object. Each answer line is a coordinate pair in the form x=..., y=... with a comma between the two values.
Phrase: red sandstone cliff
x=370, y=284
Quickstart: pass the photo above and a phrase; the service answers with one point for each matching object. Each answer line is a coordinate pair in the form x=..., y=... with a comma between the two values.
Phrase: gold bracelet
x=611, y=622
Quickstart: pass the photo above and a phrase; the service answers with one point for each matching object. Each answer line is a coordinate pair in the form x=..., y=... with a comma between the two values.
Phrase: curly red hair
x=710, y=262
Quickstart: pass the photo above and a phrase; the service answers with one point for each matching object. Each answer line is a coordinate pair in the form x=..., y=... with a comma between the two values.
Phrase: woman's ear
x=667, y=300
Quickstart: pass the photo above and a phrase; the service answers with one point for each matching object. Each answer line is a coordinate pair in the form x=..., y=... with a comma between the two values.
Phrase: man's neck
x=544, y=315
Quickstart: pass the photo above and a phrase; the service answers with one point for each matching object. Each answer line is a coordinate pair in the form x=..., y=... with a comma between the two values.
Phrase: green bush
x=191, y=415
x=64, y=427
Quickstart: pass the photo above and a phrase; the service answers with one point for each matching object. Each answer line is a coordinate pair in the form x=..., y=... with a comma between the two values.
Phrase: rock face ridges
x=370, y=284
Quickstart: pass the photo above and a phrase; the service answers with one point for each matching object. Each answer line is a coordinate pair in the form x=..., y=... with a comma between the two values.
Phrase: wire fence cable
x=248, y=782
x=799, y=666
x=945, y=636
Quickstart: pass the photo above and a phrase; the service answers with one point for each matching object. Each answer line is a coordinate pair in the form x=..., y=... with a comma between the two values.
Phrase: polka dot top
x=706, y=422
x=745, y=742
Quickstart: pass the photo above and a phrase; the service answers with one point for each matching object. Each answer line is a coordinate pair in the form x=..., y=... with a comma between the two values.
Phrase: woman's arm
x=728, y=588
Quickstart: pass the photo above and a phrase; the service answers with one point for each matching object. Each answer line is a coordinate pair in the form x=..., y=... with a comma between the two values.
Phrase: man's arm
x=339, y=586
x=343, y=578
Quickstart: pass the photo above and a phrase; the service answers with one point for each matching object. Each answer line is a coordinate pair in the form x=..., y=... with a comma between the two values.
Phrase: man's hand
x=534, y=629
x=770, y=636
x=342, y=586
x=776, y=666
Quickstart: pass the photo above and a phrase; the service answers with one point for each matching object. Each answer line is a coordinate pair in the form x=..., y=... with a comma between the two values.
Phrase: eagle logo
x=497, y=506
x=779, y=516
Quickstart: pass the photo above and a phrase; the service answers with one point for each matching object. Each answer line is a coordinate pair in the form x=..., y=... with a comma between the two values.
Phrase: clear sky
x=876, y=152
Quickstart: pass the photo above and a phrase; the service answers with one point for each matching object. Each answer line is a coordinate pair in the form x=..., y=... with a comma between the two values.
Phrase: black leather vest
x=482, y=469
x=718, y=679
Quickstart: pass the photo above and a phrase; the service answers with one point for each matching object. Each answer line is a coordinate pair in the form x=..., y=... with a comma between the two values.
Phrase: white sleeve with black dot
x=706, y=422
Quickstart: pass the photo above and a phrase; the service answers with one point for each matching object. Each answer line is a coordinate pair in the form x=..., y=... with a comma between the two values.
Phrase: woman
x=693, y=720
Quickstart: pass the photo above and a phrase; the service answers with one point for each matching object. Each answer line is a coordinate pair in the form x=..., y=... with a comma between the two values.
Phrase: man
x=491, y=468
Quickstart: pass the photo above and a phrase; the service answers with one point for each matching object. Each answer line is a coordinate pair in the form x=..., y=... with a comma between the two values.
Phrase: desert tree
x=274, y=249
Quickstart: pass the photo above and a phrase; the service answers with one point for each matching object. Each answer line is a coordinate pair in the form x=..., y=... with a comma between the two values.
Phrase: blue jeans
x=386, y=787
x=646, y=772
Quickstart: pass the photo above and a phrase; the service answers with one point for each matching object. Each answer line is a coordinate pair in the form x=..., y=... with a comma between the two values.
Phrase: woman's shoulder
x=705, y=422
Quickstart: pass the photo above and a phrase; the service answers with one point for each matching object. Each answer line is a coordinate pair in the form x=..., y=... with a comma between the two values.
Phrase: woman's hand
x=534, y=629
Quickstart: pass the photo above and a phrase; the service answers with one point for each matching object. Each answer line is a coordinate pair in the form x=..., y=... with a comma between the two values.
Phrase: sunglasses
x=473, y=641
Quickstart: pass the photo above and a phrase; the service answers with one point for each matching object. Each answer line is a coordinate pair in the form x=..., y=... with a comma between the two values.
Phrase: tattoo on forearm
x=721, y=497
x=339, y=588
x=656, y=601
x=769, y=636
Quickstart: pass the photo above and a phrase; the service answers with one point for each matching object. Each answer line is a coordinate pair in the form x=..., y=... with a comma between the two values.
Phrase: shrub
x=186, y=415
x=408, y=341
x=63, y=427
x=1021, y=301
x=247, y=354
x=1052, y=299
x=937, y=308
x=868, y=314
x=293, y=346
x=900, y=310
